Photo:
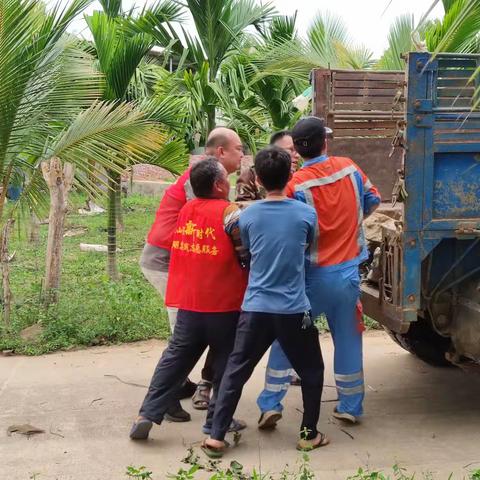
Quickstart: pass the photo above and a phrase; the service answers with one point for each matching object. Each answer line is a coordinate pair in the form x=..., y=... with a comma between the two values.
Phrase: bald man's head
x=225, y=145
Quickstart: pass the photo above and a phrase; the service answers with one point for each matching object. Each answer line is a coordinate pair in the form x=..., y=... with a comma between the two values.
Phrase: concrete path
x=423, y=418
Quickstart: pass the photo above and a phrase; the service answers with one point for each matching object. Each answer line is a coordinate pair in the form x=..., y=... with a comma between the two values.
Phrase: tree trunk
x=59, y=180
x=34, y=234
x=7, y=293
x=211, y=120
x=112, y=269
x=118, y=200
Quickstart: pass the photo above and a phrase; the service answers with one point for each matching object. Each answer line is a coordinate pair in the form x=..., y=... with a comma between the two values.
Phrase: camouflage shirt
x=247, y=188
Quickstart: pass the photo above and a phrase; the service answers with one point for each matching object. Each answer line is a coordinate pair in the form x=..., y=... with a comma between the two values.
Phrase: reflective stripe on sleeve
x=360, y=236
x=316, y=235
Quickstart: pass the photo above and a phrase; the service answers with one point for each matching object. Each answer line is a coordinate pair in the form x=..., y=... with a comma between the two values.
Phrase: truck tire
x=424, y=342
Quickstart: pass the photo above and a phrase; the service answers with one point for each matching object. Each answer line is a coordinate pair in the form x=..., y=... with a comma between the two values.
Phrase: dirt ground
x=423, y=418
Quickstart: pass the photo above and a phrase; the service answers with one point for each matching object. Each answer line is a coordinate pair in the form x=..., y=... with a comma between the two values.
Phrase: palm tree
x=400, y=41
x=51, y=117
x=253, y=103
x=459, y=30
x=327, y=46
x=220, y=29
x=121, y=41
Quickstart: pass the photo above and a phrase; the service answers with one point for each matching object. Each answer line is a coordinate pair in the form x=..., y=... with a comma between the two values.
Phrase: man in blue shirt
x=277, y=232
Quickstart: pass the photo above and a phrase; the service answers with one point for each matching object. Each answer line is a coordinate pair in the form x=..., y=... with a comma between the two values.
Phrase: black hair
x=203, y=175
x=279, y=135
x=309, y=137
x=273, y=165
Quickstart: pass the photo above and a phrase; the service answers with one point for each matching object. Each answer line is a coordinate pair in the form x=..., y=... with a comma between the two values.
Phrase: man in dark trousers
x=277, y=232
x=207, y=284
x=225, y=145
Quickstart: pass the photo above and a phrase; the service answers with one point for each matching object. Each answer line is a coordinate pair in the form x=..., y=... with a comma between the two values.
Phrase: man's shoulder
x=303, y=208
x=251, y=208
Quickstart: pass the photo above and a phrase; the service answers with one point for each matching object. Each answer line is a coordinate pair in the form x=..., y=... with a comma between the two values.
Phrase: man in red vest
x=207, y=284
x=225, y=145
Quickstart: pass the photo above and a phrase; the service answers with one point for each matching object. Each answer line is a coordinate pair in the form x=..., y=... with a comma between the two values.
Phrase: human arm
x=231, y=219
x=371, y=198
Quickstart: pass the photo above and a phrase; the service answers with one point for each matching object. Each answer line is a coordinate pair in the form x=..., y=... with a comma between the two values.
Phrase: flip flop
x=308, y=445
x=235, y=426
x=214, y=452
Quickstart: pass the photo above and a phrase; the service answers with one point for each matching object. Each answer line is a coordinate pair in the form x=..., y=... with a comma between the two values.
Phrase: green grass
x=91, y=310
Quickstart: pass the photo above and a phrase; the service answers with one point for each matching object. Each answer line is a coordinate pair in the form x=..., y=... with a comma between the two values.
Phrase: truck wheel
x=424, y=342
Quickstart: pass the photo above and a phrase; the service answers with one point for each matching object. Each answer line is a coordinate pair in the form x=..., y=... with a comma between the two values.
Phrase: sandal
x=309, y=445
x=214, y=452
x=235, y=427
x=201, y=398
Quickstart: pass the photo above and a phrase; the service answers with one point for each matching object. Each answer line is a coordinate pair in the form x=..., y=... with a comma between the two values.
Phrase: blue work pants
x=333, y=291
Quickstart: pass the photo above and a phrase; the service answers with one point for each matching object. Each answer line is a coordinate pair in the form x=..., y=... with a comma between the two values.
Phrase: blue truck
x=426, y=286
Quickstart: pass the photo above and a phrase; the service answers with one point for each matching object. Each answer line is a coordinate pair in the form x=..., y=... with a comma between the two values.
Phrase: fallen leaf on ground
x=24, y=429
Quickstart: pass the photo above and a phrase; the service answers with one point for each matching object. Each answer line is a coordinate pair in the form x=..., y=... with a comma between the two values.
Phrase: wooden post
x=7, y=293
x=59, y=180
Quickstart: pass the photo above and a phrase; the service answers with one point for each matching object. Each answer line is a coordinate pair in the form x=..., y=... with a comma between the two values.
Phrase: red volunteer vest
x=175, y=197
x=204, y=273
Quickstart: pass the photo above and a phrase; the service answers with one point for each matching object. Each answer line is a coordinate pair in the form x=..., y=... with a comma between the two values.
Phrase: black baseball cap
x=310, y=131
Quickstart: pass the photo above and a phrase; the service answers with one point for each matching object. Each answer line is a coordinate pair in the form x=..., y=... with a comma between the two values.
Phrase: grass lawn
x=91, y=310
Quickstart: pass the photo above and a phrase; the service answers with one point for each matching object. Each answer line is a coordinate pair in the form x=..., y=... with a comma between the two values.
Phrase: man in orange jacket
x=342, y=196
x=207, y=284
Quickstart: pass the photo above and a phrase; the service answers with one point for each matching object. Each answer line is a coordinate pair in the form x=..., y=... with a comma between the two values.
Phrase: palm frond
x=356, y=58
x=325, y=34
x=112, y=134
x=172, y=156
x=156, y=21
x=458, y=31
x=113, y=8
x=399, y=41
x=281, y=28
x=220, y=24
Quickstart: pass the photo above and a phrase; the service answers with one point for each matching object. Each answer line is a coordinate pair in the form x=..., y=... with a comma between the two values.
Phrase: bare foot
x=214, y=443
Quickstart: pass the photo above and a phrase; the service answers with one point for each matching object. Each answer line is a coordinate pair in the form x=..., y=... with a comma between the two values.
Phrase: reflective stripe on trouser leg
x=277, y=380
x=335, y=293
x=351, y=390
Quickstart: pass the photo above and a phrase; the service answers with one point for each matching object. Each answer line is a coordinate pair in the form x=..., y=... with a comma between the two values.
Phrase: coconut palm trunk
x=113, y=206
x=59, y=179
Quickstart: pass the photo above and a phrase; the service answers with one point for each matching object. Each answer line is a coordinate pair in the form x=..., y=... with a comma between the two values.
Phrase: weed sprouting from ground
x=301, y=471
